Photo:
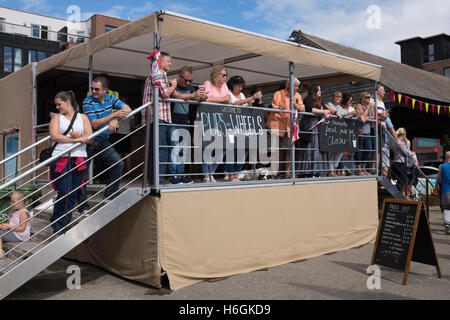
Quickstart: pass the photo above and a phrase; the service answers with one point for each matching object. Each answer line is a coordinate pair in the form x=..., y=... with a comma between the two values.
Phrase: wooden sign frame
x=418, y=251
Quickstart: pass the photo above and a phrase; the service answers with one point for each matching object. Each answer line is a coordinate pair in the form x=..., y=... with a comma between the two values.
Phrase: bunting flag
x=395, y=95
x=392, y=96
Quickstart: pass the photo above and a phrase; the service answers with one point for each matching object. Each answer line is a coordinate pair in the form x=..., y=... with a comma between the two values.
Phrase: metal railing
x=12, y=28
x=39, y=219
x=317, y=166
x=408, y=178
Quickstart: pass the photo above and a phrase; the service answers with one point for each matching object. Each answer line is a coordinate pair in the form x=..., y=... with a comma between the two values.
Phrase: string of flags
x=417, y=104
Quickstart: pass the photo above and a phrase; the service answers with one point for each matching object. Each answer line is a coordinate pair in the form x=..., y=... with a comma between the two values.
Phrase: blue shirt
x=182, y=108
x=445, y=177
x=94, y=110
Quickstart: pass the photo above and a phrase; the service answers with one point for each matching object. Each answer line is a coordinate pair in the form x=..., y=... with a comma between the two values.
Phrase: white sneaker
x=211, y=179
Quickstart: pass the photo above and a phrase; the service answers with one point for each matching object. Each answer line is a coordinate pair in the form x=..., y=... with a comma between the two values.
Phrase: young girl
x=18, y=215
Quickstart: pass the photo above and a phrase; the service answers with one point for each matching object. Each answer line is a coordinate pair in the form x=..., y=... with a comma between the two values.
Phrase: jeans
x=82, y=193
x=174, y=133
x=210, y=168
x=108, y=158
x=365, y=143
x=163, y=133
x=235, y=167
x=65, y=185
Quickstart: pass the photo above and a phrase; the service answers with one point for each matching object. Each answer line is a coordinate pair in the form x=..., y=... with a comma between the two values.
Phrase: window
x=35, y=30
x=431, y=52
x=447, y=72
x=44, y=32
x=1, y=24
x=109, y=28
x=11, y=143
x=34, y=56
x=41, y=55
x=17, y=59
x=7, y=60
x=80, y=38
x=31, y=56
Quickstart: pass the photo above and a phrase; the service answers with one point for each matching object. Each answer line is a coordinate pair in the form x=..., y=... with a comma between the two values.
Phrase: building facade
x=431, y=54
x=26, y=37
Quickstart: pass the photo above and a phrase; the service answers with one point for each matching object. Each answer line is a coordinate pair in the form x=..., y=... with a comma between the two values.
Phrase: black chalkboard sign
x=339, y=135
x=232, y=124
x=403, y=236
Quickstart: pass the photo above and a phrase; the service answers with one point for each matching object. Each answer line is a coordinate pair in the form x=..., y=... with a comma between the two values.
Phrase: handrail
x=24, y=150
x=46, y=162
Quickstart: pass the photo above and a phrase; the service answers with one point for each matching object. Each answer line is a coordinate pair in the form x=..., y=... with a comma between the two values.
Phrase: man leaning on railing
x=98, y=108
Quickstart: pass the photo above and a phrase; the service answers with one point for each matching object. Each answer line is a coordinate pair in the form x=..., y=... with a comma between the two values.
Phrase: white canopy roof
x=202, y=44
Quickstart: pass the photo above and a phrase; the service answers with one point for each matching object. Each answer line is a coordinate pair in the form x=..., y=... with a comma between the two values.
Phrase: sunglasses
x=186, y=80
x=224, y=75
x=367, y=97
x=95, y=89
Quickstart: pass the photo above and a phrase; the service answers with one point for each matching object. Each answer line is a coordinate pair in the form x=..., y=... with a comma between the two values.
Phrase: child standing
x=19, y=214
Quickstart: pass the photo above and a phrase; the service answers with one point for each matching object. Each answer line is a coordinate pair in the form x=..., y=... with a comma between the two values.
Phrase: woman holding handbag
x=67, y=129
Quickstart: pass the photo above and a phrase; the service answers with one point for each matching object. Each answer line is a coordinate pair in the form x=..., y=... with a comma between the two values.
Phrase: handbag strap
x=69, y=127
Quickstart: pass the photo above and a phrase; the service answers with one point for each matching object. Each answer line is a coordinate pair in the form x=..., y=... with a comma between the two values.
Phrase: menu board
x=395, y=235
x=404, y=235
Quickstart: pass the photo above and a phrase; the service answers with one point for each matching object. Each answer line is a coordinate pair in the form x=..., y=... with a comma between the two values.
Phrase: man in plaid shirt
x=167, y=89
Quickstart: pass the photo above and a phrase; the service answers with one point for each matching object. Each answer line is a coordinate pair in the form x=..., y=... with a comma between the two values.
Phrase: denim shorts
x=10, y=237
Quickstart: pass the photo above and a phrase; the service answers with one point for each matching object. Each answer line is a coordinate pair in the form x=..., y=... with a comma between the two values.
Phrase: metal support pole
x=34, y=115
x=291, y=106
x=91, y=72
x=147, y=131
x=91, y=77
x=156, y=145
x=377, y=142
x=155, y=106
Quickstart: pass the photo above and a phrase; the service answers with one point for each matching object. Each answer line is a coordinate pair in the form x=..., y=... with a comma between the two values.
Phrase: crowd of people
x=102, y=108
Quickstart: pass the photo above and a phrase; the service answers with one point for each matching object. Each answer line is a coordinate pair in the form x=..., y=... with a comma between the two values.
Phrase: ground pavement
x=340, y=276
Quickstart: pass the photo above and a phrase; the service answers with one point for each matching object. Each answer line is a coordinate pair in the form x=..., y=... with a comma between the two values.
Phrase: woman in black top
x=312, y=162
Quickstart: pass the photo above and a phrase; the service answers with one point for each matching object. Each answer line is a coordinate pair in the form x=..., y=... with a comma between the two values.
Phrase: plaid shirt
x=164, y=107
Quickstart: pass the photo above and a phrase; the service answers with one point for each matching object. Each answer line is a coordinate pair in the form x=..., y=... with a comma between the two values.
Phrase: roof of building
x=444, y=35
x=396, y=76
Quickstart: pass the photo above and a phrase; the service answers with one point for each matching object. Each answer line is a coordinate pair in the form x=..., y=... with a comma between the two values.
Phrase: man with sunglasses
x=180, y=118
x=98, y=108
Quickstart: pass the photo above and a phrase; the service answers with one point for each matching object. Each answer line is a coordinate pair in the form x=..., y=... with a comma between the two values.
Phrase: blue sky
x=349, y=22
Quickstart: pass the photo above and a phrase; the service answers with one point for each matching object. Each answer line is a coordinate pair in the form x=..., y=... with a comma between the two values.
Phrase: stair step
x=5, y=264
x=42, y=226
x=25, y=250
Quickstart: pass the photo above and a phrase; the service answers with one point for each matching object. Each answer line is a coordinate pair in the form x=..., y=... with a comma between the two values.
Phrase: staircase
x=24, y=260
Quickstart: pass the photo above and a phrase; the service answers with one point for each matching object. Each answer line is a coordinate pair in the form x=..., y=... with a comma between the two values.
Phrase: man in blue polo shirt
x=98, y=108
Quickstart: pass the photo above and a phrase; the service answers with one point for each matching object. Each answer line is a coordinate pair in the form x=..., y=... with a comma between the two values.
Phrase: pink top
x=15, y=221
x=212, y=92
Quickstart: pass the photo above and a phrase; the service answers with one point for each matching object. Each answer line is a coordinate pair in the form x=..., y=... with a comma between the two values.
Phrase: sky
x=369, y=25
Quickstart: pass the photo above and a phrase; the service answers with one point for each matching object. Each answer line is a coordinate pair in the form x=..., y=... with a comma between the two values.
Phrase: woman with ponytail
x=64, y=139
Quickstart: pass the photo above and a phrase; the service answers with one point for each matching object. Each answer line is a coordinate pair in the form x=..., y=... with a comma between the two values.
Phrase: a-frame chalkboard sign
x=404, y=235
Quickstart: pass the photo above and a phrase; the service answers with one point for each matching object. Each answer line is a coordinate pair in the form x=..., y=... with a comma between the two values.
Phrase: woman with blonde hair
x=402, y=157
x=365, y=111
x=217, y=91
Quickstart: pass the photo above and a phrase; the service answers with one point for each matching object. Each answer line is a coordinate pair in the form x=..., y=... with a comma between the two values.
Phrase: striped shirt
x=164, y=107
x=94, y=110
